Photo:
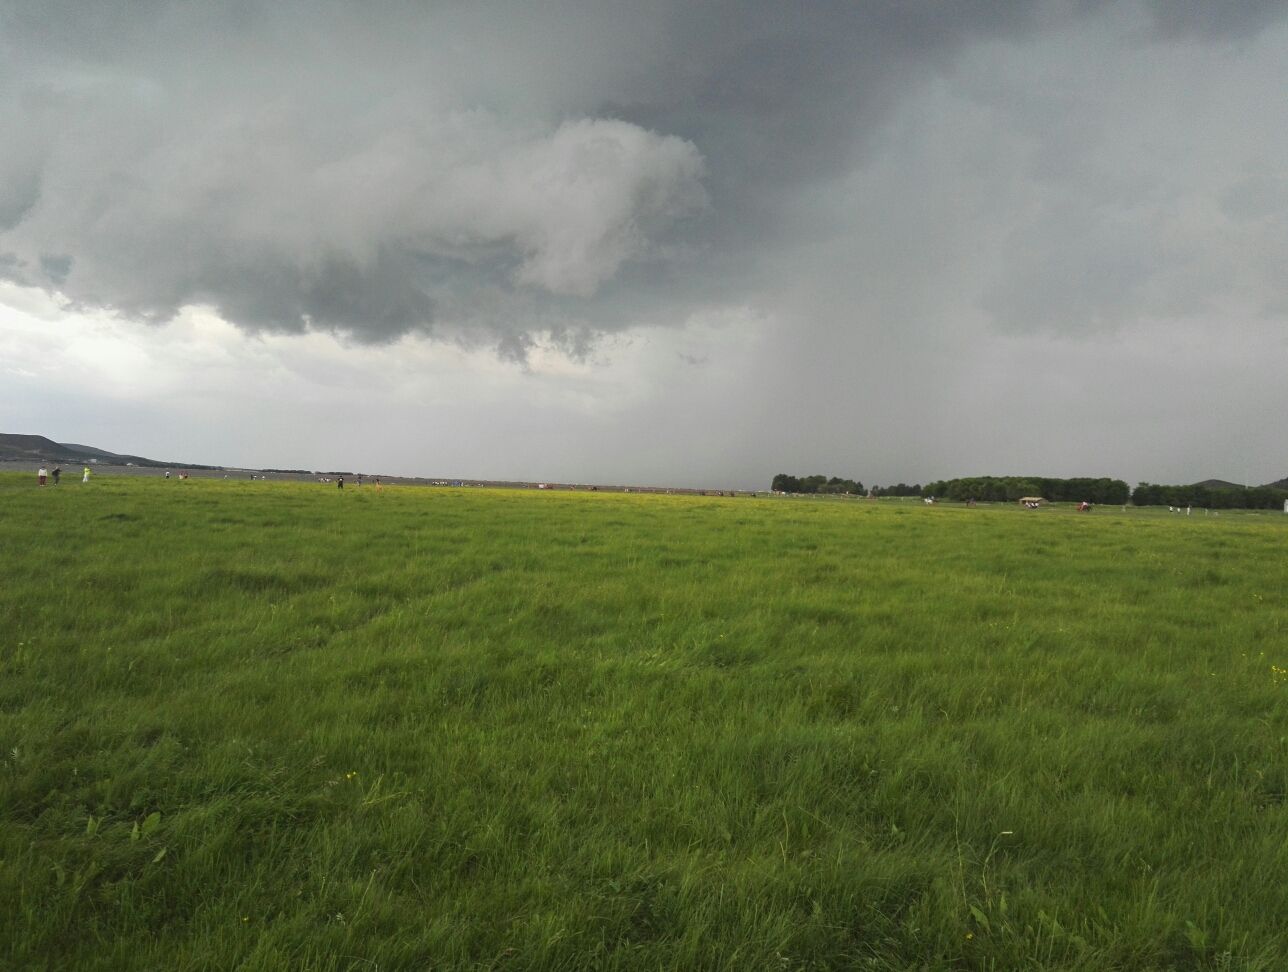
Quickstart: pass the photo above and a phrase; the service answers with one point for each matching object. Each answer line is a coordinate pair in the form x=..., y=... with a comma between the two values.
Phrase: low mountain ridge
x=91, y=451
x=35, y=447
x=14, y=446
x=1219, y=484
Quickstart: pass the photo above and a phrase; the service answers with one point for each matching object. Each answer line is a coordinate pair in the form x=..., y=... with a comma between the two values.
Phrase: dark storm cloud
x=1234, y=21
x=487, y=171
x=311, y=167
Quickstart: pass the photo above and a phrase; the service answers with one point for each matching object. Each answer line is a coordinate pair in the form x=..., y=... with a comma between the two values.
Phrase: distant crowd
x=47, y=477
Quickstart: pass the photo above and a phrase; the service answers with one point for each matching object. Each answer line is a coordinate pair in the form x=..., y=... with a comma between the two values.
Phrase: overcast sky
x=651, y=242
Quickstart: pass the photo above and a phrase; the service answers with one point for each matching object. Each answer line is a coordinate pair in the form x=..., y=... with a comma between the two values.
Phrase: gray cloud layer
x=305, y=167
x=489, y=170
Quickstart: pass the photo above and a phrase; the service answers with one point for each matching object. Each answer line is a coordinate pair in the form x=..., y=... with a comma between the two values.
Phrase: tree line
x=786, y=483
x=1008, y=489
x=1210, y=498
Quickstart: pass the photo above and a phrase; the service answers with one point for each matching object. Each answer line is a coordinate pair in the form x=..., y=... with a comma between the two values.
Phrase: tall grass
x=280, y=726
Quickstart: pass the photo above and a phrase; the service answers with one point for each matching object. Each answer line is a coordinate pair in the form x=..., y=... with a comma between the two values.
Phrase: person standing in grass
x=85, y=478
x=339, y=483
x=58, y=472
x=41, y=474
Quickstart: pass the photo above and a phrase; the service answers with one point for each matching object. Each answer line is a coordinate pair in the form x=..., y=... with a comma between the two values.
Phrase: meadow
x=266, y=726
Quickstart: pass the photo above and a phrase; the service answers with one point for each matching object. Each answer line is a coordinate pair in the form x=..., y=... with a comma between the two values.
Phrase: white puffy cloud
x=298, y=168
x=280, y=229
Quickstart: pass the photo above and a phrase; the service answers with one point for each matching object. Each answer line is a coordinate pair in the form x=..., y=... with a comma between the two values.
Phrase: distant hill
x=1225, y=484
x=1219, y=484
x=35, y=447
x=85, y=450
x=24, y=446
x=32, y=447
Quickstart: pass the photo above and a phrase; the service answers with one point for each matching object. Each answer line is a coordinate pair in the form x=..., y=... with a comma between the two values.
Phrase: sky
x=643, y=242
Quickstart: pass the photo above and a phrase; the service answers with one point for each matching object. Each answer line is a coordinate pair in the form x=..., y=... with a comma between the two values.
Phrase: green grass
x=276, y=726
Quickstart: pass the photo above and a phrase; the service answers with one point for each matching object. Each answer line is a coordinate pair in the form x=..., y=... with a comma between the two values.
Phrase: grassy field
x=275, y=726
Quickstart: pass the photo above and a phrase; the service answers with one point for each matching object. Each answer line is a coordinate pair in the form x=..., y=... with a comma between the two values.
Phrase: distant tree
x=899, y=489
x=787, y=483
x=1237, y=498
x=1000, y=489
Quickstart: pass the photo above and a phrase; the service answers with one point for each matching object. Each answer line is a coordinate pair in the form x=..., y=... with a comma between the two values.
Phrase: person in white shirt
x=41, y=475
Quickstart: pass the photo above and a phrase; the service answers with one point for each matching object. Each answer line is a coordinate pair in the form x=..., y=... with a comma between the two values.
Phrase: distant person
x=167, y=474
x=339, y=483
x=85, y=477
x=58, y=471
x=379, y=487
x=41, y=475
